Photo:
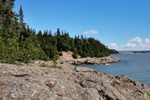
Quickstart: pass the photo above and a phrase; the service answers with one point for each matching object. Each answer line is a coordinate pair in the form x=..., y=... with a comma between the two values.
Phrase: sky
x=118, y=24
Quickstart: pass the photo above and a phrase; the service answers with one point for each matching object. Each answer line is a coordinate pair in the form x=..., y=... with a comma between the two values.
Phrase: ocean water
x=135, y=66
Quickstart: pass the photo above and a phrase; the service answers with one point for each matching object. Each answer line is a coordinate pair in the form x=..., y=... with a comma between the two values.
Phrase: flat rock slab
x=84, y=69
x=32, y=82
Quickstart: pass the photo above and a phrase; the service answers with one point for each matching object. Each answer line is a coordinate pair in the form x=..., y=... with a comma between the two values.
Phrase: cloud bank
x=137, y=42
x=133, y=44
x=91, y=32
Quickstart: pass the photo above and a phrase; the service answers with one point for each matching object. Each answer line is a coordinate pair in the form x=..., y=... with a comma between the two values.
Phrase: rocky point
x=95, y=60
x=32, y=82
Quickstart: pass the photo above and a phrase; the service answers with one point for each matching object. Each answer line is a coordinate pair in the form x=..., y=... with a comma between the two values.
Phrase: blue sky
x=119, y=24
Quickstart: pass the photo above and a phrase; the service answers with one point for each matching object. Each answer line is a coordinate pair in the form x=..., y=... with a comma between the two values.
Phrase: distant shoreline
x=131, y=52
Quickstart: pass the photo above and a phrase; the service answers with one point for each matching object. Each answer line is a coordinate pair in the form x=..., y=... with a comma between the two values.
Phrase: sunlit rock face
x=32, y=82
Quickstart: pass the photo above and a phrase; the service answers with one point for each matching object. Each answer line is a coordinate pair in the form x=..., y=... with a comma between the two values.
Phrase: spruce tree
x=21, y=17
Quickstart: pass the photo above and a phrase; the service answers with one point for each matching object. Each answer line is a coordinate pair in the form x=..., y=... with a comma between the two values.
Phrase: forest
x=19, y=42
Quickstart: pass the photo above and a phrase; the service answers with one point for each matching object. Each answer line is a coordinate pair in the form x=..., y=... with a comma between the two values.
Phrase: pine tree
x=1, y=17
x=58, y=32
x=7, y=14
x=21, y=17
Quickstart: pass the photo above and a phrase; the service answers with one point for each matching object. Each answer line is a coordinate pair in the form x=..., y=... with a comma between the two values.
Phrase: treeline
x=84, y=47
x=113, y=51
x=18, y=42
x=141, y=51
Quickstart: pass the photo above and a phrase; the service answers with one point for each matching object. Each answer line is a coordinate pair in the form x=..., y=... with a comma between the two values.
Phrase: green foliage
x=55, y=66
x=61, y=62
x=44, y=65
x=52, y=44
x=21, y=17
x=18, y=63
x=113, y=51
x=60, y=54
x=75, y=56
x=20, y=43
x=54, y=60
x=17, y=42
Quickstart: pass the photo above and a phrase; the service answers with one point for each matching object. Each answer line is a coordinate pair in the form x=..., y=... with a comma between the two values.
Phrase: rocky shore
x=95, y=60
x=32, y=82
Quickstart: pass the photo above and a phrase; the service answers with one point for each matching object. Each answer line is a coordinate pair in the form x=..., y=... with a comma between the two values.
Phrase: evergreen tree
x=21, y=17
x=18, y=42
x=58, y=32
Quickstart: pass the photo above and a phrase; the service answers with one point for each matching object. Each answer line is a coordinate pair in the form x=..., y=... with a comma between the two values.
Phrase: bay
x=135, y=66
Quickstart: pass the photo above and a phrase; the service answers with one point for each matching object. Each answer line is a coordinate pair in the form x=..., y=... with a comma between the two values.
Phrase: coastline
x=92, y=61
x=33, y=82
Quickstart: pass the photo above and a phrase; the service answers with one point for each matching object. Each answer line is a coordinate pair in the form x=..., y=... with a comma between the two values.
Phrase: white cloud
x=137, y=39
x=133, y=42
x=130, y=44
x=113, y=44
x=137, y=43
x=147, y=40
x=91, y=32
x=145, y=44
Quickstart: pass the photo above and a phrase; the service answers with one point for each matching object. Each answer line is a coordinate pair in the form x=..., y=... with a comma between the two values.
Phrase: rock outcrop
x=31, y=82
x=95, y=60
x=67, y=57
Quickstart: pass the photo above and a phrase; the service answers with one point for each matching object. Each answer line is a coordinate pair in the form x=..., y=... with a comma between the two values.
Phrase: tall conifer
x=21, y=17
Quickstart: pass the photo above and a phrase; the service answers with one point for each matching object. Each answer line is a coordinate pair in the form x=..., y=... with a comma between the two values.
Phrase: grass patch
x=18, y=63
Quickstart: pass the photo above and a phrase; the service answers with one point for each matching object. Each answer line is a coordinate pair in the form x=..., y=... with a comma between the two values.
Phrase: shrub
x=74, y=56
x=61, y=62
x=18, y=63
x=60, y=54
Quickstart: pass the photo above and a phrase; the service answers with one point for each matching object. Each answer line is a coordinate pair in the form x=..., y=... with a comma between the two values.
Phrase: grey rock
x=32, y=82
x=83, y=69
x=95, y=60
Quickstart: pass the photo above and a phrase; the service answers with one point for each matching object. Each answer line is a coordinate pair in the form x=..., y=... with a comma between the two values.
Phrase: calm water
x=135, y=66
